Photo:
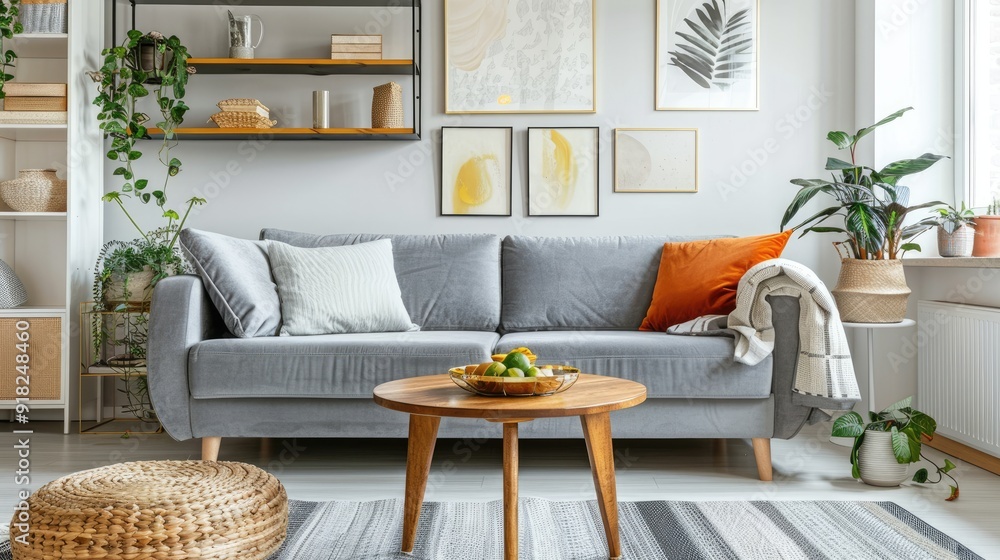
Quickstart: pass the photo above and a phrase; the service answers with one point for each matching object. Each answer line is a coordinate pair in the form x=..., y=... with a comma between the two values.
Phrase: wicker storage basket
x=44, y=352
x=871, y=291
x=43, y=16
x=387, y=106
x=156, y=509
x=35, y=190
x=242, y=105
x=236, y=119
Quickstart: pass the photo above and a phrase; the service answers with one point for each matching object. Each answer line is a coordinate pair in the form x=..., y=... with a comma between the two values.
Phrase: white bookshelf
x=53, y=253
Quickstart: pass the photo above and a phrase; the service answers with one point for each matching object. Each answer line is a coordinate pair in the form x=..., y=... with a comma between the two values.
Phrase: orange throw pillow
x=700, y=277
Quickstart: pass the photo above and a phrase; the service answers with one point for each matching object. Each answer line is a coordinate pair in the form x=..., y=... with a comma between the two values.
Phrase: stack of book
x=34, y=103
x=356, y=47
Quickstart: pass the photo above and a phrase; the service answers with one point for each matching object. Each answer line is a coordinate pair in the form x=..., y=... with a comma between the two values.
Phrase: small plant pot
x=958, y=243
x=131, y=288
x=987, y=237
x=878, y=465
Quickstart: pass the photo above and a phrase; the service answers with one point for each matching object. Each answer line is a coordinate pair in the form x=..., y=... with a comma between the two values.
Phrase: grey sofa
x=577, y=301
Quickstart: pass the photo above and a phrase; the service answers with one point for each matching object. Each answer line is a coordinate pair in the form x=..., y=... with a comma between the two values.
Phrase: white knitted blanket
x=824, y=375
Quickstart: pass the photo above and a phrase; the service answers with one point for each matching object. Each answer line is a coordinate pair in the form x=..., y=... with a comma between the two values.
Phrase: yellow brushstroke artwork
x=476, y=182
x=559, y=170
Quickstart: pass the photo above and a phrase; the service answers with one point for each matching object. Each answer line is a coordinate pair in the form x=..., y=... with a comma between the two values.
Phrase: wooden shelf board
x=33, y=216
x=315, y=66
x=34, y=310
x=337, y=3
x=291, y=133
x=55, y=132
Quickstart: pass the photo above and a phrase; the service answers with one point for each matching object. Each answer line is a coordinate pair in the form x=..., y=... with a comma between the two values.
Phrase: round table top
x=903, y=323
x=437, y=395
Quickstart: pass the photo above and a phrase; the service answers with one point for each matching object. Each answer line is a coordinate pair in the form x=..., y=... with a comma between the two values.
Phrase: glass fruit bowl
x=492, y=386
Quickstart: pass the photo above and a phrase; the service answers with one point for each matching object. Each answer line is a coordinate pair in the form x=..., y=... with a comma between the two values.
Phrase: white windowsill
x=954, y=262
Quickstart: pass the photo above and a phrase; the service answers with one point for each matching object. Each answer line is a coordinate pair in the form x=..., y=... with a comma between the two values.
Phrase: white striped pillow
x=335, y=290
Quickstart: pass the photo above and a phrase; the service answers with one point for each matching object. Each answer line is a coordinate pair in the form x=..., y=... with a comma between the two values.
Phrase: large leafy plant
x=870, y=203
x=122, y=85
x=9, y=26
x=907, y=426
x=715, y=52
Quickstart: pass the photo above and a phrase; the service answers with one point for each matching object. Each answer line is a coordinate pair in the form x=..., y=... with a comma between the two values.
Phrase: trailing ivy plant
x=907, y=427
x=123, y=82
x=9, y=26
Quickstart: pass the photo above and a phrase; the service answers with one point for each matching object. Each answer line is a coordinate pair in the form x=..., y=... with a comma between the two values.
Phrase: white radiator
x=958, y=371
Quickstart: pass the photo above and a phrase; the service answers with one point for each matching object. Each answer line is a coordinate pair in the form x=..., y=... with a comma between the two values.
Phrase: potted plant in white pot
x=987, y=242
x=886, y=446
x=870, y=208
x=956, y=231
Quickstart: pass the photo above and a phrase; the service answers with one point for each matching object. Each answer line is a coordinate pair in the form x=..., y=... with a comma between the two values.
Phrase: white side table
x=870, y=329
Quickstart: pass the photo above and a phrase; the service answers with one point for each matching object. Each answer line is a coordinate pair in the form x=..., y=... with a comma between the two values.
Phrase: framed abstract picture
x=507, y=56
x=707, y=55
x=563, y=171
x=476, y=171
x=663, y=160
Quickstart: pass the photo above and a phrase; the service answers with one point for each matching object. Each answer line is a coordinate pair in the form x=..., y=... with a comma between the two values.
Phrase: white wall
x=807, y=89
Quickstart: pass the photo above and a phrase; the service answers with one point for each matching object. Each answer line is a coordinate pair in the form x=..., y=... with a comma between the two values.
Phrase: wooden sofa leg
x=762, y=453
x=210, y=448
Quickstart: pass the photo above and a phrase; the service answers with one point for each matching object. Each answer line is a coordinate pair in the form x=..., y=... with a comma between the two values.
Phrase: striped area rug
x=649, y=530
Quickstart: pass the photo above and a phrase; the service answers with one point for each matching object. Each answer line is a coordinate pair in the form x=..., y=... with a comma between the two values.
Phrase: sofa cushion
x=237, y=276
x=337, y=290
x=670, y=366
x=579, y=283
x=448, y=282
x=325, y=366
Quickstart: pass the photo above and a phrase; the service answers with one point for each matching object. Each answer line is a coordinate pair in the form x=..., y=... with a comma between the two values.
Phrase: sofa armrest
x=180, y=317
x=788, y=416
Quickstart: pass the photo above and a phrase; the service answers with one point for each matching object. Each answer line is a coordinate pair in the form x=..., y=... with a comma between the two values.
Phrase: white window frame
x=970, y=170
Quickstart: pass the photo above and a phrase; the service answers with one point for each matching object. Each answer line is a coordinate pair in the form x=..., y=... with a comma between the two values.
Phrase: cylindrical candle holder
x=321, y=109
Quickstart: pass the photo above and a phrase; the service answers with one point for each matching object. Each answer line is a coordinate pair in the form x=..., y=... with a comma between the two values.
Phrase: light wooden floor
x=806, y=468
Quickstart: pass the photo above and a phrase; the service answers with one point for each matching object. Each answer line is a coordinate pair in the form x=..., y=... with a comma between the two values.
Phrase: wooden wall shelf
x=314, y=66
x=290, y=133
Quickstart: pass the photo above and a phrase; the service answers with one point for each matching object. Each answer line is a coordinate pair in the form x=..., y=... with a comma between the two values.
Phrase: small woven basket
x=871, y=291
x=156, y=509
x=35, y=190
x=242, y=105
x=387, y=106
x=237, y=119
x=43, y=16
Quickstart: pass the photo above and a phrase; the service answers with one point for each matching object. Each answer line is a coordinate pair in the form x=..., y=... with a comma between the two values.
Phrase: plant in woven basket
x=122, y=85
x=870, y=205
x=950, y=219
x=906, y=426
x=9, y=26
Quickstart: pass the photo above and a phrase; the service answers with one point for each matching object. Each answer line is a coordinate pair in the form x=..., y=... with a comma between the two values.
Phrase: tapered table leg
x=597, y=432
x=510, y=491
x=420, y=451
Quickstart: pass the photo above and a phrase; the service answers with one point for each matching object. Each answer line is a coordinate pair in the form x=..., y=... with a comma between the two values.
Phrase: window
x=979, y=30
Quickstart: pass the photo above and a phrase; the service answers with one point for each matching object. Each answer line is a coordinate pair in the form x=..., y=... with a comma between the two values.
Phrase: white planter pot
x=878, y=465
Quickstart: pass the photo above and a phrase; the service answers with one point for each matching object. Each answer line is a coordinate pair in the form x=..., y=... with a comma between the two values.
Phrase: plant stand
x=870, y=332
x=105, y=337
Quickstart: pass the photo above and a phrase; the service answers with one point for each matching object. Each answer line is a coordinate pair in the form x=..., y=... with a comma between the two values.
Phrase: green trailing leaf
x=948, y=466
x=953, y=495
x=923, y=423
x=716, y=49
x=920, y=476
x=900, y=446
x=848, y=425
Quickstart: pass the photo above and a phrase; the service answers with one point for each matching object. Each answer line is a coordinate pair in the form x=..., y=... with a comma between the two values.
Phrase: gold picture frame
x=629, y=160
x=658, y=83
x=504, y=97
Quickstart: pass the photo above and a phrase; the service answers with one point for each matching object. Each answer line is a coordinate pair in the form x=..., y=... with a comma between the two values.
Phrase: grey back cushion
x=237, y=276
x=448, y=282
x=579, y=283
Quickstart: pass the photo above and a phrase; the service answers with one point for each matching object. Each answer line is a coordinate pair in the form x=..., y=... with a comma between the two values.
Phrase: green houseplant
x=892, y=438
x=9, y=26
x=956, y=231
x=870, y=209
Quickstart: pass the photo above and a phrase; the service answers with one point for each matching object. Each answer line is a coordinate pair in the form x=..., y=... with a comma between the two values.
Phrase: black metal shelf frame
x=415, y=35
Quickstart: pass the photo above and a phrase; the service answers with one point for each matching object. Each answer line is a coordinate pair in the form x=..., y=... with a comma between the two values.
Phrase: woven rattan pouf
x=156, y=509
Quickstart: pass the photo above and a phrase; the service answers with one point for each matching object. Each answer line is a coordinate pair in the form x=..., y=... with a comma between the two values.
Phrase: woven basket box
x=43, y=16
x=23, y=89
x=33, y=117
x=44, y=353
x=12, y=103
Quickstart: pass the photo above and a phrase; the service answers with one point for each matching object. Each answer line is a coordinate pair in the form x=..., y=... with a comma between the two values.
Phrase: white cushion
x=336, y=290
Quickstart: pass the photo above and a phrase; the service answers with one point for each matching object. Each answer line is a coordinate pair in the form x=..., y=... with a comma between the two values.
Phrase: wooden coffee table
x=428, y=399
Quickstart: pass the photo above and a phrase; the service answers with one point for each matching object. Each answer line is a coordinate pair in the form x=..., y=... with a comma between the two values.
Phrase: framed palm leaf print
x=707, y=55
